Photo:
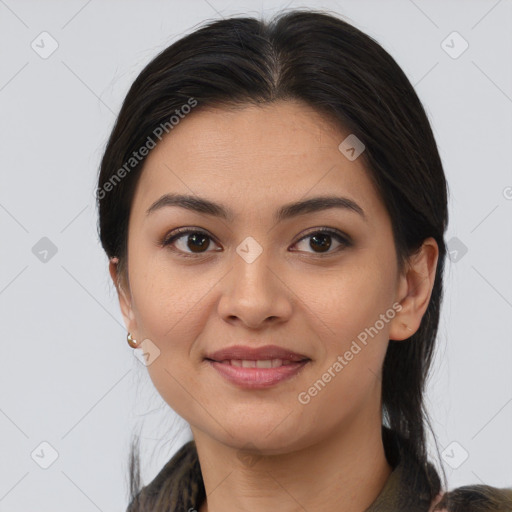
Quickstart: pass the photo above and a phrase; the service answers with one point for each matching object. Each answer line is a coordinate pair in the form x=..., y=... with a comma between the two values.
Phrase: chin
x=270, y=439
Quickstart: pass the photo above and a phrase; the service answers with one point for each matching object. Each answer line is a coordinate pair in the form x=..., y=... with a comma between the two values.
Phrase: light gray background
x=68, y=377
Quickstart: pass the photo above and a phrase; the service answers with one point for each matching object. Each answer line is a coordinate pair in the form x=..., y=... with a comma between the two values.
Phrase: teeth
x=268, y=363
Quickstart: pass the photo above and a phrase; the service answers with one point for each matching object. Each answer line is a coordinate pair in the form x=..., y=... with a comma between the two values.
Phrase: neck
x=344, y=472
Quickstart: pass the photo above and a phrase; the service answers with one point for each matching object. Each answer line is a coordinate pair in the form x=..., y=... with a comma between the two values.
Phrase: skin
x=326, y=454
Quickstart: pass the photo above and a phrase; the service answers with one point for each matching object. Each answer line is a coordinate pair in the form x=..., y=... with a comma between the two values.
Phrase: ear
x=124, y=297
x=414, y=289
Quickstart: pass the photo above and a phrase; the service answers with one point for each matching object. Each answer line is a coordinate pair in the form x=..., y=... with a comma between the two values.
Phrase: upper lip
x=244, y=352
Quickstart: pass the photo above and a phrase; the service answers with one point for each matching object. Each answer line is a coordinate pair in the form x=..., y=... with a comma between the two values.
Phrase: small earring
x=132, y=342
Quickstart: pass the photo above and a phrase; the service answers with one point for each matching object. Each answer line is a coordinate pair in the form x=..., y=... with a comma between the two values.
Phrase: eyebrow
x=205, y=206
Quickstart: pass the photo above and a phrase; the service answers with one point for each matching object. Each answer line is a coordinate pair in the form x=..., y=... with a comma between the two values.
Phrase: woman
x=273, y=206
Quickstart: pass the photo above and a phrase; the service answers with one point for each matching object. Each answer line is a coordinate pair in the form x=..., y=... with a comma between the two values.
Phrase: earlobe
x=414, y=290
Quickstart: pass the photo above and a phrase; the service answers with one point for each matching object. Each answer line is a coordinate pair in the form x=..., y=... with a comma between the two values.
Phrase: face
x=254, y=279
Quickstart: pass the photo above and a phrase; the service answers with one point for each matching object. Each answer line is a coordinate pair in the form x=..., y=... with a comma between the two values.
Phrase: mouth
x=260, y=363
x=252, y=368
x=247, y=355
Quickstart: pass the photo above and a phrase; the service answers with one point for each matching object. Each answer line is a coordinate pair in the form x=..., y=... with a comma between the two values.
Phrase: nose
x=254, y=294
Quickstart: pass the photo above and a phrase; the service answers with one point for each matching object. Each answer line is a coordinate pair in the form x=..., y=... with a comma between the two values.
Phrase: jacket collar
x=407, y=489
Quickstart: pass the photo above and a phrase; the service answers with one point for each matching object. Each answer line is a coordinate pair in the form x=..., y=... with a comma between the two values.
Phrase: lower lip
x=257, y=378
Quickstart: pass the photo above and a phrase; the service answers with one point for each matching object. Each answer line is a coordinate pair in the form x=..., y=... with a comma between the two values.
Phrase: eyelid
x=329, y=231
x=343, y=239
x=170, y=238
x=176, y=233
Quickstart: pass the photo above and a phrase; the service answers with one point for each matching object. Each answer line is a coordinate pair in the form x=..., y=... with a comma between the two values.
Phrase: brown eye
x=197, y=242
x=189, y=242
x=320, y=241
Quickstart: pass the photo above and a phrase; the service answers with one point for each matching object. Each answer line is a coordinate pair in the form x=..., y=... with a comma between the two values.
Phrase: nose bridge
x=254, y=292
x=252, y=272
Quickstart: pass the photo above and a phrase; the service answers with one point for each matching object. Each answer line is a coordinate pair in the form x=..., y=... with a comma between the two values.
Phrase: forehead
x=257, y=158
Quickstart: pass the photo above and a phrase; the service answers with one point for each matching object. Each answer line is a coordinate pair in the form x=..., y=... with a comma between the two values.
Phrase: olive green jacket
x=179, y=487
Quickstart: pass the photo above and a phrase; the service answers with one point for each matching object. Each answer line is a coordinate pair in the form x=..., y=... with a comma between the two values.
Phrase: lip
x=256, y=378
x=244, y=352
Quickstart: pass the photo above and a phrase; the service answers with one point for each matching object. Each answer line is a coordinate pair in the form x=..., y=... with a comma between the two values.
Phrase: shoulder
x=474, y=498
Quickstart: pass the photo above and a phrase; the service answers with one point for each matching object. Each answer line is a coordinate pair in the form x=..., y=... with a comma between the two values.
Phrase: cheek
x=171, y=306
x=168, y=298
x=171, y=316
x=352, y=311
x=347, y=380
x=347, y=300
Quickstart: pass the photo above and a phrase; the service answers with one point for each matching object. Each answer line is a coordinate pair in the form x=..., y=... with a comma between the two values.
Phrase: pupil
x=197, y=237
x=324, y=243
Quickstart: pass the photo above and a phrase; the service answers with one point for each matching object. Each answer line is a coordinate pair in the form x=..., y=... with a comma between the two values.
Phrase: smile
x=249, y=363
x=257, y=374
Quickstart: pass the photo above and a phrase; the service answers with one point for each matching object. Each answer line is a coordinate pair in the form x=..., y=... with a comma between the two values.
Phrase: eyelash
x=179, y=233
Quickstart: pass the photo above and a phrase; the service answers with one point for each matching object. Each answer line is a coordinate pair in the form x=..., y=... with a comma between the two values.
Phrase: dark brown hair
x=348, y=77
x=476, y=498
